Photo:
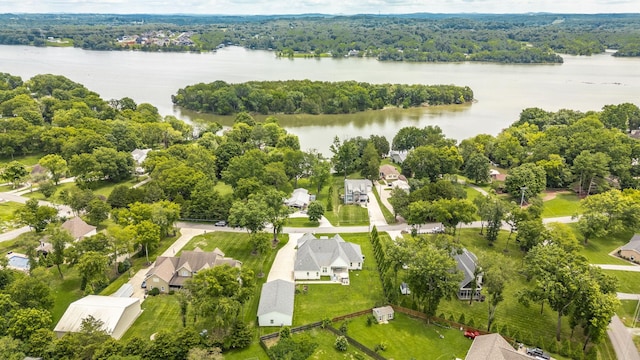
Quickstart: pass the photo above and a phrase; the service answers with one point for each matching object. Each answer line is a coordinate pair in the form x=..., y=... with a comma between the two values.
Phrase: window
x=307, y=273
x=155, y=279
x=162, y=288
x=271, y=321
x=324, y=269
x=350, y=264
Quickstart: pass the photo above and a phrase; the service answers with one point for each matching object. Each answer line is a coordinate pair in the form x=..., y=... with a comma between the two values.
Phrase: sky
x=347, y=7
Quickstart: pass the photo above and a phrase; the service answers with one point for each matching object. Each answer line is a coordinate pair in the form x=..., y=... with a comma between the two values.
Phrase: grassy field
x=104, y=189
x=626, y=310
x=628, y=281
x=301, y=222
x=160, y=312
x=65, y=291
x=28, y=160
x=409, y=338
x=364, y=291
x=597, y=249
x=7, y=209
x=564, y=204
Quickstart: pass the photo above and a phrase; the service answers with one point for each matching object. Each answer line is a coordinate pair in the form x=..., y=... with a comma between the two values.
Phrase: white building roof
x=108, y=309
x=277, y=296
x=300, y=198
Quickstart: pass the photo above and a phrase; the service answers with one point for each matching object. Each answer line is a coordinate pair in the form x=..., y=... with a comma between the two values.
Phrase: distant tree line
x=414, y=37
x=313, y=97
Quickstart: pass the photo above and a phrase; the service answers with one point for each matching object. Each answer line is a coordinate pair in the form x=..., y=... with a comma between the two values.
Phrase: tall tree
x=528, y=179
x=345, y=156
x=589, y=166
x=59, y=239
x=147, y=235
x=370, y=163
x=55, y=164
x=15, y=173
x=93, y=266
x=430, y=276
x=477, y=168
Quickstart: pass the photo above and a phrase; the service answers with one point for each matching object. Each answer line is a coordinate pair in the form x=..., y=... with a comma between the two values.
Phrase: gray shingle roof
x=633, y=244
x=277, y=296
x=77, y=227
x=315, y=253
x=466, y=263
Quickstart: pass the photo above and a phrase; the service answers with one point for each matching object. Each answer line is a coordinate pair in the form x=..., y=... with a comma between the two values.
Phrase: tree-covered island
x=313, y=97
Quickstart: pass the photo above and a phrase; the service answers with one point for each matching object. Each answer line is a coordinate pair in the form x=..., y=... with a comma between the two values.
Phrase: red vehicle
x=471, y=334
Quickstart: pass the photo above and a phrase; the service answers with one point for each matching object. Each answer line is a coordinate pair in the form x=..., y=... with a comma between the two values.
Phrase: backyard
x=322, y=301
x=7, y=218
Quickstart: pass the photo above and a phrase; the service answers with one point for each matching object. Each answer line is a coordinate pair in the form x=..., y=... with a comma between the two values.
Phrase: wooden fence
x=357, y=344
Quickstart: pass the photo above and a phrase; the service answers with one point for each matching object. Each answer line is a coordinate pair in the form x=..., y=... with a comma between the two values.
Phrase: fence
x=434, y=319
x=357, y=344
x=352, y=315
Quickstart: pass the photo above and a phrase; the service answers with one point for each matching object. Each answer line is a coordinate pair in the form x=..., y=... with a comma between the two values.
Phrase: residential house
x=299, y=199
x=398, y=157
x=631, y=250
x=326, y=257
x=383, y=314
x=139, y=156
x=402, y=184
x=389, y=172
x=467, y=263
x=494, y=347
x=276, y=303
x=116, y=313
x=78, y=228
x=356, y=190
x=496, y=175
x=171, y=272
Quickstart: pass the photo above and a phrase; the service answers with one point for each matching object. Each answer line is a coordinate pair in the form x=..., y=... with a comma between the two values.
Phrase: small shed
x=383, y=314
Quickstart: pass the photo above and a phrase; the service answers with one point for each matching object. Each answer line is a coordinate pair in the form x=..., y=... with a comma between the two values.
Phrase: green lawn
x=472, y=193
x=65, y=291
x=105, y=188
x=55, y=197
x=301, y=222
x=343, y=215
x=7, y=209
x=409, y=338
x=597, y=249
x=564, y=204
x=27, y=160
x=626, y=310
x=628, y=281
x=160, y=312
x=331, y=300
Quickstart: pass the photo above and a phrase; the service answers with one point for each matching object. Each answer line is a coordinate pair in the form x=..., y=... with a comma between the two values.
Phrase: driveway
x=621, y=340
x=376, y=217
x=282, y=267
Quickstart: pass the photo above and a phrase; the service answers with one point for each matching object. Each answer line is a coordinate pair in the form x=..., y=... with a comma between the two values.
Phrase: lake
x=501, y=91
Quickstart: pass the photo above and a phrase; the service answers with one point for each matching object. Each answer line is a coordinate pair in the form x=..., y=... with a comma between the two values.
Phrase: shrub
x=344, y=328
x=171, y=292
x=470, y=323
x=358, y=356
x=341, y=343
x=380, y=347
x=326, y=322
x=154, y=292
x=285, y=333
x=371, y=320
x=461, y=320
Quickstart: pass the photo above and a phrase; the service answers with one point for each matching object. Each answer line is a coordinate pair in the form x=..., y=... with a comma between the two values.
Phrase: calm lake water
x=502, y=91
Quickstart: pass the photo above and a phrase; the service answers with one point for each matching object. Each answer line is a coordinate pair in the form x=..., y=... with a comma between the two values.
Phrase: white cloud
x=317, y=6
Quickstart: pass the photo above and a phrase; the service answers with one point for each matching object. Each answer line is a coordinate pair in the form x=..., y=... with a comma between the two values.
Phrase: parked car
x=471, y=334
x=144, y=284
x=220, y=223
x=538, y=353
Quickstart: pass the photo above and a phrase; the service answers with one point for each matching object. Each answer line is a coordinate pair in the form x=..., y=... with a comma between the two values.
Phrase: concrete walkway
x=635, y=268
x=625, y=296
x=282, y=267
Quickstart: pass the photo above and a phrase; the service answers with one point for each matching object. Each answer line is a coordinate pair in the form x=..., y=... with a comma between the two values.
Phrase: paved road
x=621, y=340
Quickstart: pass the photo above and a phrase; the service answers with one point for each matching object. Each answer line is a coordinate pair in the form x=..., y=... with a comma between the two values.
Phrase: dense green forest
x=531, y=38
x=313, y=97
